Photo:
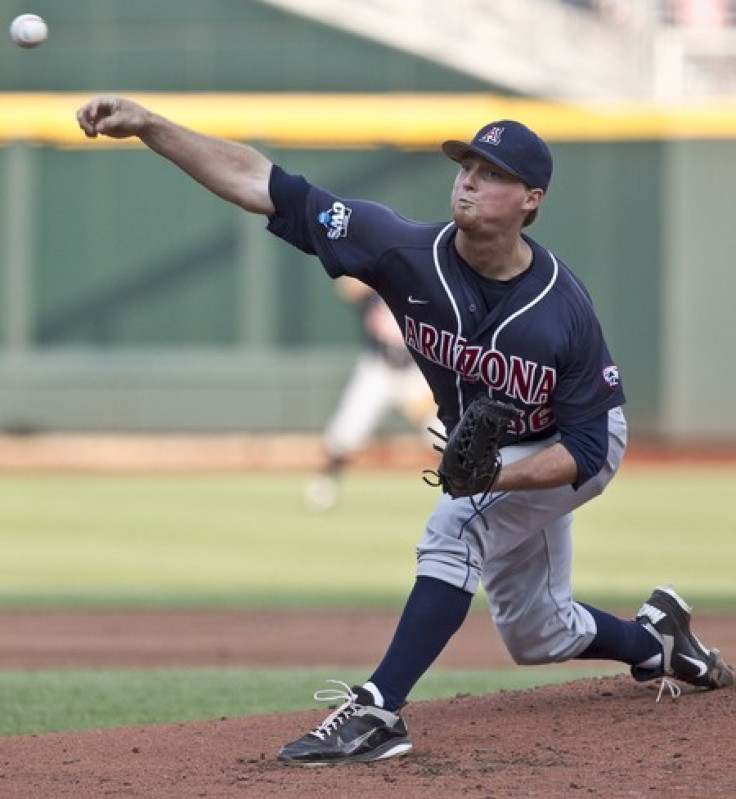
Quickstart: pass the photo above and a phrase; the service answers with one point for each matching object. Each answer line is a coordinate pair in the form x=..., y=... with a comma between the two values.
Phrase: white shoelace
x=666, y=684
x=343, y=694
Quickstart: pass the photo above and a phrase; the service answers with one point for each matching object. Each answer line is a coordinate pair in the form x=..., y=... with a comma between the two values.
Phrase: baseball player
x=384, y=377
x=483, y=308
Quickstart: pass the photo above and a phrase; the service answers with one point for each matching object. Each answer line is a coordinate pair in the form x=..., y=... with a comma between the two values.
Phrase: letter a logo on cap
x=493, y=135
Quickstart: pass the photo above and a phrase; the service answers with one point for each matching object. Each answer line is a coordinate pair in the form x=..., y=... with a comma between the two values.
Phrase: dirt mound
x=604, y=737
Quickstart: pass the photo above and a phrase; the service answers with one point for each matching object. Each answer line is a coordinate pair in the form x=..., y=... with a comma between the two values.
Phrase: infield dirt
x=604, y=737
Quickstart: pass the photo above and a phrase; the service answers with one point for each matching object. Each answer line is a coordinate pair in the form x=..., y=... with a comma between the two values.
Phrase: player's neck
x=499, y=259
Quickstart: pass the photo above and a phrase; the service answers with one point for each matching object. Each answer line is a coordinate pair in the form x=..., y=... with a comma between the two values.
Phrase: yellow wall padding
x=415, y=121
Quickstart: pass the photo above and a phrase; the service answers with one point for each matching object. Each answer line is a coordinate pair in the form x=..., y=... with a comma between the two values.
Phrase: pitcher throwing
x=484, y=309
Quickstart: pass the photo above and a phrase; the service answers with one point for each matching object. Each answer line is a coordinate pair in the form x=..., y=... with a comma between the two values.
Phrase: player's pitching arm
x=240, y=174
x=235, y=172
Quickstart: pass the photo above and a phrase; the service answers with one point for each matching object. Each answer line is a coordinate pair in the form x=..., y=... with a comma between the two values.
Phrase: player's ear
x=533, y=199
x=531, y=205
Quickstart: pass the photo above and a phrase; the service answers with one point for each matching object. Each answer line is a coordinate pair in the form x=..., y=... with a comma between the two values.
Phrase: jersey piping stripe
x=438, y=269
x=531, y=304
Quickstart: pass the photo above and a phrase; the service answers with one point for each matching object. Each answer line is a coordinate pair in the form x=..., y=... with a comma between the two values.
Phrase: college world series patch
x=336, y=220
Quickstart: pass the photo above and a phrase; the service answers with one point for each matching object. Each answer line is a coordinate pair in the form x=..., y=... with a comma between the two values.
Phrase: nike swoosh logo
x=702, y=667
x=415, y=301
x=352, y=746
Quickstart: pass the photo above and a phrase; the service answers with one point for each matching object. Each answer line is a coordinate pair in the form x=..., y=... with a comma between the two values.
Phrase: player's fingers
x=84, y=119
x=92, y=116
x=88, y=116
x=103, y=113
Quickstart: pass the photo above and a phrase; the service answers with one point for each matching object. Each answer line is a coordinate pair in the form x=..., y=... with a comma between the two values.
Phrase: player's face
x=487, y=198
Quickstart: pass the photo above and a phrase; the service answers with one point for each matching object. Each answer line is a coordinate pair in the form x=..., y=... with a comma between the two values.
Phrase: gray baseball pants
x=519, y=546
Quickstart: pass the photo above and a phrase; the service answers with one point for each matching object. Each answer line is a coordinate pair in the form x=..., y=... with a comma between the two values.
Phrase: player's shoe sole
x=317, y=760
x=666, y=616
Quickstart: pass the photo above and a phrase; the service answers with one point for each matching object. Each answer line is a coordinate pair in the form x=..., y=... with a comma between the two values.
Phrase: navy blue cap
x=511, y=146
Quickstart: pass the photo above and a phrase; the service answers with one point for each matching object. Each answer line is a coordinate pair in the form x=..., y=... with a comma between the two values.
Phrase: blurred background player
x=384, y=378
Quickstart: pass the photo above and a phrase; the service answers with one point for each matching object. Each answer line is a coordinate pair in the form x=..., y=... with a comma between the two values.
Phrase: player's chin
x=464, y=218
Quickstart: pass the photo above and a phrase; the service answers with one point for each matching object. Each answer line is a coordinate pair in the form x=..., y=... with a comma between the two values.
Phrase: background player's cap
x=511, y=146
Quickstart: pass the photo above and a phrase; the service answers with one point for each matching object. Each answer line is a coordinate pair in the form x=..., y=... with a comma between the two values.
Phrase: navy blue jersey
x=539, y=346
x=388, y=344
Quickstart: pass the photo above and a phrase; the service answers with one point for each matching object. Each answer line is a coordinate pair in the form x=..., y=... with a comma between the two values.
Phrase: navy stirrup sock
x=434, y=612
x=619, y=639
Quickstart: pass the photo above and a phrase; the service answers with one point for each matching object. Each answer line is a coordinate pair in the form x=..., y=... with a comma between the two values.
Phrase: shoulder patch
x=336, y=220
x=610, y=375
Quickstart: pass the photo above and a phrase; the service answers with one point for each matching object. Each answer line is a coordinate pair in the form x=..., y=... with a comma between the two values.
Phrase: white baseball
x=28, y=30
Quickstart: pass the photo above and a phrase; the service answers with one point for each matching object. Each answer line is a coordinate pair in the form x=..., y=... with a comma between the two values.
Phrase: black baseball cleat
x=666, y=616
x=357, y=732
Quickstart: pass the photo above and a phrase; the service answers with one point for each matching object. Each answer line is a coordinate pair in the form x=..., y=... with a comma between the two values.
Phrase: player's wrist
x=149, y=127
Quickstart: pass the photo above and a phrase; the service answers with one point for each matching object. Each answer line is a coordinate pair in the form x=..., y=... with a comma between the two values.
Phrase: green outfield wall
x=129, y=290
x=133, y=300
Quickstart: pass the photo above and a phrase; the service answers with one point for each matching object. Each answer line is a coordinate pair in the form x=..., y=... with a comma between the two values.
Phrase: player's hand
x=112, y=116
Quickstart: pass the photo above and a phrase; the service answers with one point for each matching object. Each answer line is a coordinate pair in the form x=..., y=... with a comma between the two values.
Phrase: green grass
x=671, y=526
x=204, y=539
x=246, y=540
x=51, y=701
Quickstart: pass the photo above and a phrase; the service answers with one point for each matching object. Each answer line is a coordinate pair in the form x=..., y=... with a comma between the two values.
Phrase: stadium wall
x=134, y=301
